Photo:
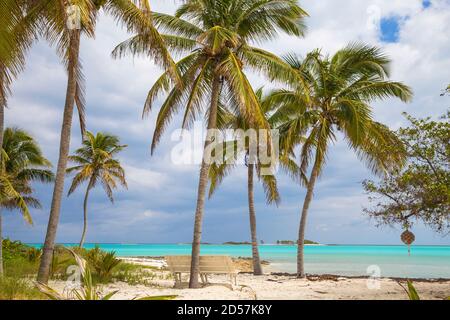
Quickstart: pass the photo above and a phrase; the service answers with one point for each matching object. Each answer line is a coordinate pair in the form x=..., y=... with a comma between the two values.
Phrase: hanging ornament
x=408, y=238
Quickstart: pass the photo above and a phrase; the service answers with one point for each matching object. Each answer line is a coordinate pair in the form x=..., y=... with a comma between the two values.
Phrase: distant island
x=234, y=243
x=279, y=242
x=290, y=242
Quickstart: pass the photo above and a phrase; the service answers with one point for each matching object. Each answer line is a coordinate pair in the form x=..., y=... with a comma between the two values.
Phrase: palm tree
x=15, y=38
x=215, y=35
x=218, y=172
x=340, y=90
x=56, y=25
x=22, y=163
x=96, y=164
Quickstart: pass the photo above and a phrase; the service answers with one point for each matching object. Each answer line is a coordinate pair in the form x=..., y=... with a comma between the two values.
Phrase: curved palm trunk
x=301, y=231
x=2, y=110
x=257, y=269
x=1, y=246
x=47, y=254
x=86, y=196
x=202, y=183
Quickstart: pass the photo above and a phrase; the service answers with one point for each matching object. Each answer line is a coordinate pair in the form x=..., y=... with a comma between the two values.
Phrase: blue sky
x=159, y=204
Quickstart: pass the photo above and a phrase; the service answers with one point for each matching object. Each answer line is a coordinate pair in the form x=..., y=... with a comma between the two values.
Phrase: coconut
x=408, y=238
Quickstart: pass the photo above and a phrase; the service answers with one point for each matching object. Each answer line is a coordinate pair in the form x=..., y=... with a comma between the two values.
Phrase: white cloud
x=141, y=180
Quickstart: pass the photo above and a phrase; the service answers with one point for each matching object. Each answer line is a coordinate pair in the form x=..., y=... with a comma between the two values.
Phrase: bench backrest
x=208, y=264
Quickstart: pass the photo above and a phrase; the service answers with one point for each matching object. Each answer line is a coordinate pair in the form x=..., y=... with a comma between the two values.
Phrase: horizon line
x=211, y=243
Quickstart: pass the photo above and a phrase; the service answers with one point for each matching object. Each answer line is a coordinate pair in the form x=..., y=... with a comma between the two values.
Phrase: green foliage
x=17, y=262
x=60, y=263
x=15, y=39
x=22, y=163
x=410, y=290
x=102, y=263
x=95, y=163
x=88, y=290
x=34, y=254
x=215, y=39
x=18, y=288
x=412, y=293
x=13, y=249
x=421, y=191
x=231, y=119
x=337, y=95
x=20, y=267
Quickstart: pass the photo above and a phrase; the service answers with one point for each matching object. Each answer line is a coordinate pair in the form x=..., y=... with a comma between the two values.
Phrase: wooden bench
x=208, y=265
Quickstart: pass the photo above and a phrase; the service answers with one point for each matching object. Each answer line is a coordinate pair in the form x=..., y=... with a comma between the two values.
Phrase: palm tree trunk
x=257, y=269
x=44, y=268
x=202, y=183
x=83, y=236
x=1, y=246
x=2, y=125
x=2, y=113
x=301, y=231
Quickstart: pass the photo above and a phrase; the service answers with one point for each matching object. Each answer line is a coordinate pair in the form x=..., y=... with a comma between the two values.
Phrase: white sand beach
x=270, y=286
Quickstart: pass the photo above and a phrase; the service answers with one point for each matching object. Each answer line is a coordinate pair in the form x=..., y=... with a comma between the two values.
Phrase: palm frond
x=139, y=20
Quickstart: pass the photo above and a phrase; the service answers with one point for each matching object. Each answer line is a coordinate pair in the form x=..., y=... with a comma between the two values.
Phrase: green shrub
x=34, y=254
x=14, y=249
x=88, y=290
x=20, y=267
x=102, y=264
x=15, y=288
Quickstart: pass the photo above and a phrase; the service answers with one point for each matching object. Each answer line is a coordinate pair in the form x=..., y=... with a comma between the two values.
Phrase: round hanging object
x=408, y=237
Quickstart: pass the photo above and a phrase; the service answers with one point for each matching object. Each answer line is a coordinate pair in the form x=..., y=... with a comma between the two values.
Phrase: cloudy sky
x=160, y=201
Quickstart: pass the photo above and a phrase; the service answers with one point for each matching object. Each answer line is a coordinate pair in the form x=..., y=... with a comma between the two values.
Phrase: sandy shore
x=269, y=286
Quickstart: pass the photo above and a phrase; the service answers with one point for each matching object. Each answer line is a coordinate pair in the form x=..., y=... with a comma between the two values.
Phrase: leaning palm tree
x=340, y=91
x=215, y=35
x=22, y=163
x=95, y=164
x=233, y=149
x=63, y=23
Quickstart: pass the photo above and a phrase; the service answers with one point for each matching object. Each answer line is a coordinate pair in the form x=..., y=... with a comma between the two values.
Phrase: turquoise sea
x=350, y=260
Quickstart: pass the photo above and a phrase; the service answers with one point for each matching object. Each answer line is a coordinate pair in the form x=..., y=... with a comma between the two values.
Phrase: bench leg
x=233, y=279
x=204, y=278
x=177, y=280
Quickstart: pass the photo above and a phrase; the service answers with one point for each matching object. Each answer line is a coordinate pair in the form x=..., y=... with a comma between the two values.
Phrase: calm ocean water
x=350, y=260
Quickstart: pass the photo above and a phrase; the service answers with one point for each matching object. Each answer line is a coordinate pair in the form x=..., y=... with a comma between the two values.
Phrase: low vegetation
x=87, y=289
x=411, y=291
x=21, y=263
